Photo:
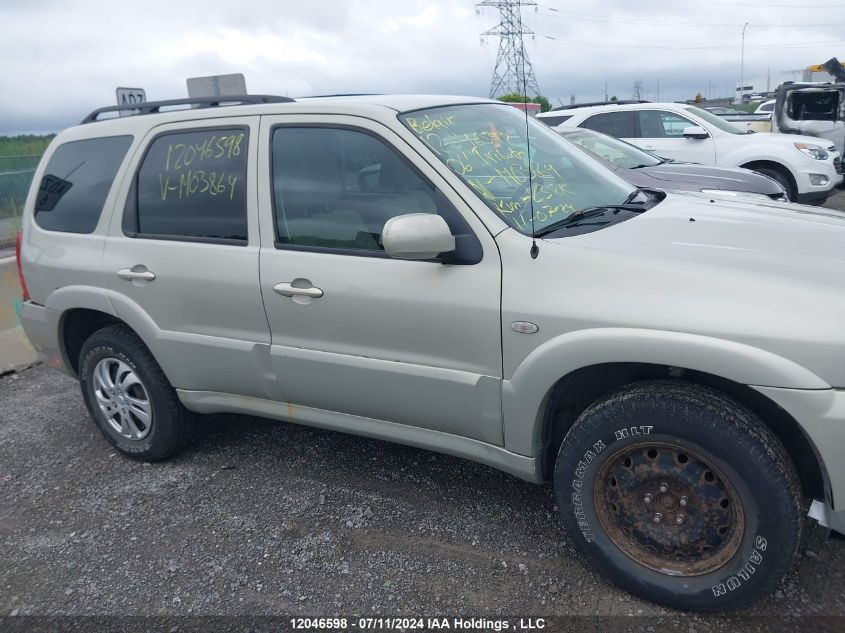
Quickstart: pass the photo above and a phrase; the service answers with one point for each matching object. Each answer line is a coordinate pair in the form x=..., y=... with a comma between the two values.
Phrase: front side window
x=662, y=124
x=77, y=181
x=486, y=145
x=192, y=186
x=336, y=187
x=618, y=124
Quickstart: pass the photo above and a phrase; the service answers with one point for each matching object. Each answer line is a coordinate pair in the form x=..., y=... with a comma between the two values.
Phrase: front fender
x=524, y=396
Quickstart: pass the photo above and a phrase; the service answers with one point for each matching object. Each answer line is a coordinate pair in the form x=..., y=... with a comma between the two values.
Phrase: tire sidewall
x=599, y=436
x=782, y=180
x=91, y=354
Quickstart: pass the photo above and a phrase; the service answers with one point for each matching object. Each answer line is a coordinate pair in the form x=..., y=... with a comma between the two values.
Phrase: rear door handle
x=141, y=274
x=287, y=290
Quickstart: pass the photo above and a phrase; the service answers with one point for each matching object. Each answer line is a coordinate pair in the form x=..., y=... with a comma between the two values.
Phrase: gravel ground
x=261, y=517
x=266, y=518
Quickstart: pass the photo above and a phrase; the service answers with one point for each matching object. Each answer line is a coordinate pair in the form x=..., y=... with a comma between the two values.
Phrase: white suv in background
x=807, y=167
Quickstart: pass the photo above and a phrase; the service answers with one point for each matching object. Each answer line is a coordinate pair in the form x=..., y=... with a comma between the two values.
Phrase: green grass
x=25, y=144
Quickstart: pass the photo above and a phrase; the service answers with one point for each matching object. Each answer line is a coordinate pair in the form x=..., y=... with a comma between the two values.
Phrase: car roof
x=617, y=108
x=367, y=105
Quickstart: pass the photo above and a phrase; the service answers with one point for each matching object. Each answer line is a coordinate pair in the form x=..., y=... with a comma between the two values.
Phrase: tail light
x=18, y=243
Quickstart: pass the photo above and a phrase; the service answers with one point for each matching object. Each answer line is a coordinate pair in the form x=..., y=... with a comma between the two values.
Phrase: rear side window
x=191, y=186
x=618, y=124
x=76, y=183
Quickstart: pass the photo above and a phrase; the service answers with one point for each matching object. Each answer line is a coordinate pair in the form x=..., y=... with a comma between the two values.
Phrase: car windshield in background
x=715, y=121
x=612, y=149
x=485, y=144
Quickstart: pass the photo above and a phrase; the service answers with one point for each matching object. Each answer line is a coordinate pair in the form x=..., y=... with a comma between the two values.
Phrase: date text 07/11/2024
x=411, y=623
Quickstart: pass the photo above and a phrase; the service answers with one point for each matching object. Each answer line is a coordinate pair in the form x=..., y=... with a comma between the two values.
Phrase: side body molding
x=524, y=395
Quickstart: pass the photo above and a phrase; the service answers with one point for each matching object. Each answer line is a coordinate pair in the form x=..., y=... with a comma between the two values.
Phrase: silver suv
x=445, y=273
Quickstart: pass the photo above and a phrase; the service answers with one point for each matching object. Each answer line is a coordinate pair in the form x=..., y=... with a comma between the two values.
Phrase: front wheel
x=781, y=178
x=680, y=495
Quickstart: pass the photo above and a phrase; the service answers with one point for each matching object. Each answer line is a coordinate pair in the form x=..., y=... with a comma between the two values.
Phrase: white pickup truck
x=808, y=168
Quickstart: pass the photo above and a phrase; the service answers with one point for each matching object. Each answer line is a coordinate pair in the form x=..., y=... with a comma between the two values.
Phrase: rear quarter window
x=76, y=182
x=554, y=121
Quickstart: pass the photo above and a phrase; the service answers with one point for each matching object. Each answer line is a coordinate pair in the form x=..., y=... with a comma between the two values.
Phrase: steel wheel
x=668, y=509
x=122, y=398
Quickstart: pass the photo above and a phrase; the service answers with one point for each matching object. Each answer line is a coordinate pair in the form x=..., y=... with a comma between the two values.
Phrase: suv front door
x=662, y=132
x=355, y=332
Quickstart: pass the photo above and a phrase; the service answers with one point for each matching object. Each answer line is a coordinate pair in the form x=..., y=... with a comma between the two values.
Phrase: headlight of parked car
x=813, y=151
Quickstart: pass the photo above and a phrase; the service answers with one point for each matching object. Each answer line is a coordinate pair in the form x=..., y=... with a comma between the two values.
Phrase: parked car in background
x=808, y=168
x=767, y=107
x=723, y=110
x=811, y=109
x=645, y=169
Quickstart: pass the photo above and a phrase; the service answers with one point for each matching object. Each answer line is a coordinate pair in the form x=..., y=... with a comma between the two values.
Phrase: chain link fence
x=15, y=177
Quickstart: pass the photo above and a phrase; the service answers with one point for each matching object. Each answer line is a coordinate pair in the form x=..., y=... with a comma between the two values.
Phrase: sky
x=63, y=58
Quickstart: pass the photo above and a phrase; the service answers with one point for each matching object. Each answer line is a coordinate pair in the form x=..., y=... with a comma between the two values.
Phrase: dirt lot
x=265, y=518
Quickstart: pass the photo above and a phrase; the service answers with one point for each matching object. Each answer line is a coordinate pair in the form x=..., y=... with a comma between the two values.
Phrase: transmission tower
x=513, y=71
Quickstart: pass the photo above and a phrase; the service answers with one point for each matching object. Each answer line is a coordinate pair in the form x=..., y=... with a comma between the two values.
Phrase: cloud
x=63, y=59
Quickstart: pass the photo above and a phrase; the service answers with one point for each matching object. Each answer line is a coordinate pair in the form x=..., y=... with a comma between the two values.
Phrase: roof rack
x=154, y=107
x=600, y=103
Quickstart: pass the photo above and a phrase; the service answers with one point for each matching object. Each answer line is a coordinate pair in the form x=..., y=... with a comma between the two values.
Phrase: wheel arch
x=76, y=325
x=593, y=362
x=754, y=165
x=576, y=391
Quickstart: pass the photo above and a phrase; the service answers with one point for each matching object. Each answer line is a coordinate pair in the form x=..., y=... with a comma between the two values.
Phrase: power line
x=569, y=42
x=575, y=15
x=767, y=5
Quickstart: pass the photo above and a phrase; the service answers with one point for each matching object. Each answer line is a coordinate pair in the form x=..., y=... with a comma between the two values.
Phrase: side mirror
x=696, y=132
x=417, y=236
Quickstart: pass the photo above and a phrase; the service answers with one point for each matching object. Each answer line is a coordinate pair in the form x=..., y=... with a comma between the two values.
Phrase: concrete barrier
x=15, y=350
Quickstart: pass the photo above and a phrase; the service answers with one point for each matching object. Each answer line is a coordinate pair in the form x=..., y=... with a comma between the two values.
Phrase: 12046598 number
x=318, y=623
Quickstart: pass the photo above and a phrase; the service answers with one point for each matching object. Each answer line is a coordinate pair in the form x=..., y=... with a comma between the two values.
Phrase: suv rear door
x=181, y=261
x=356, y=332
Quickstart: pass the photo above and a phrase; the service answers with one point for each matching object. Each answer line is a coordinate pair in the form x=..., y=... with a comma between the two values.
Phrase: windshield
x=485, y=145
x=612, y=149
x=715, y=121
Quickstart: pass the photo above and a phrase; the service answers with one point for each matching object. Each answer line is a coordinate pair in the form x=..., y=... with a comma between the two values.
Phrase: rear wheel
x=129, y=397
x=680, y=495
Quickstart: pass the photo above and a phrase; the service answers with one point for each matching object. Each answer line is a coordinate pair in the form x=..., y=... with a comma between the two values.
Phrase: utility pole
x=742, y=67
x=658, y=90
x=512, y=60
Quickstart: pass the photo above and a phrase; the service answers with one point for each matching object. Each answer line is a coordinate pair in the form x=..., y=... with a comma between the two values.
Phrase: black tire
x=731, y=441
x=170, y=425
x=782, y=179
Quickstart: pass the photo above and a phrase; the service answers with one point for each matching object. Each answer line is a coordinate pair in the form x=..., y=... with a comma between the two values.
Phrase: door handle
x=130, y=274
x=287, y=290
